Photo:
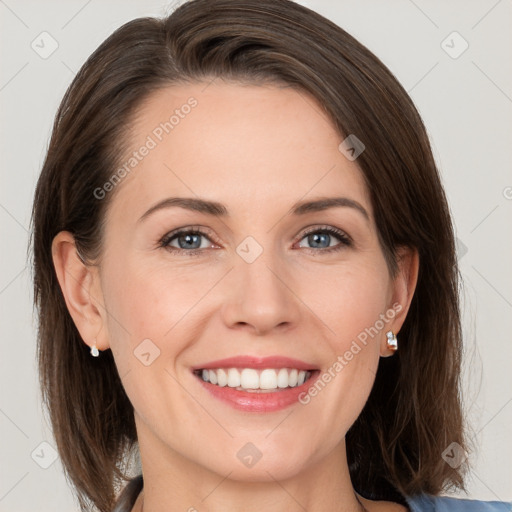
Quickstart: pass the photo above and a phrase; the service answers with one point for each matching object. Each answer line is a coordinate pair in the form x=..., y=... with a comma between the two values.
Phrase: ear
x=80, y=285
x=403, y=287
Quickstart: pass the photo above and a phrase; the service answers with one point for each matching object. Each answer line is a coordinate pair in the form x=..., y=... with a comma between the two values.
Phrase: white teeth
x=249, y=379
x=282, y=378
x=252, y=379
x=233, y=378
x=222, y=378
x=268, y=379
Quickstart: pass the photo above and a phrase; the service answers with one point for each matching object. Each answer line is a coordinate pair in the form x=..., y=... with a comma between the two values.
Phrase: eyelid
x=326, y=227
x=199, y=230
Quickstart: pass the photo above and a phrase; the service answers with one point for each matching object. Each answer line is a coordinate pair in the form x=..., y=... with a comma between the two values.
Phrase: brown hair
x=414, y=411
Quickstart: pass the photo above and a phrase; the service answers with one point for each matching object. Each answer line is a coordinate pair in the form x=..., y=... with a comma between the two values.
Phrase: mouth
x=252, y=380
x=255, y=384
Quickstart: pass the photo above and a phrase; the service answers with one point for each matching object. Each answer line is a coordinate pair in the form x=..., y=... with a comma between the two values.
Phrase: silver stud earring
x=392, y=342
x=94, y=351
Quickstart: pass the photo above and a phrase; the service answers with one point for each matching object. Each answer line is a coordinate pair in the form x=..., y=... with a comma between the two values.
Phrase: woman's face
x=263, y=277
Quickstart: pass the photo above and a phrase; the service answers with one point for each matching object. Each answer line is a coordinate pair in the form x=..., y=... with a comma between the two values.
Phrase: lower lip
x=258, y=402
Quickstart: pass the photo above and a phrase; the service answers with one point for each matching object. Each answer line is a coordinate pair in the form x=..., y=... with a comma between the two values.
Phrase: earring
x=94, y=351
x=392, y=342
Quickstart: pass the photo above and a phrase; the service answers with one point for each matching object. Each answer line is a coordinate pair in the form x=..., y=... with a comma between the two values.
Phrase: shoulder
x=428, y=503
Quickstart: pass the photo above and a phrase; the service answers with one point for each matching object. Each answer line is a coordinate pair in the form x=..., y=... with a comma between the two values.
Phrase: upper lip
x=257, y=363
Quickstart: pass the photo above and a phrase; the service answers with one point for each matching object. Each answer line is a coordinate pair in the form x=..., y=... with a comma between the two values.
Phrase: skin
x=258, y=150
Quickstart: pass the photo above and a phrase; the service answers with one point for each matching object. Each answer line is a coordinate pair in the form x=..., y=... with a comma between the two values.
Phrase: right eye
x=191, y=241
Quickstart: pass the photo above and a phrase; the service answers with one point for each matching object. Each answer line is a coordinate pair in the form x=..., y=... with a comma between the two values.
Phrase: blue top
x=428, y=503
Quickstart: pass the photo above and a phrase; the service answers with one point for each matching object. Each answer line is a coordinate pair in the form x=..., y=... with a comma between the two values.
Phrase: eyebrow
x=219, y=210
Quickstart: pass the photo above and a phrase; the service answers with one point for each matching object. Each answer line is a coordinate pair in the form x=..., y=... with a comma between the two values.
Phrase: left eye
x=321, y=239
x=186, y=240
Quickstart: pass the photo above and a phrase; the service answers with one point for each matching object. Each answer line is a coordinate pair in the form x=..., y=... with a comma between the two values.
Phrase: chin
x=262, y=471
x=259, y=461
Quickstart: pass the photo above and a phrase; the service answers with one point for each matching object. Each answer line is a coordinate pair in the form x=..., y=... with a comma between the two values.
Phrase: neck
x=139, y=505
x=173, y=483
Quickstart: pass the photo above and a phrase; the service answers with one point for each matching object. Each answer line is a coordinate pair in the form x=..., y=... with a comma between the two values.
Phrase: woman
x=307, y=357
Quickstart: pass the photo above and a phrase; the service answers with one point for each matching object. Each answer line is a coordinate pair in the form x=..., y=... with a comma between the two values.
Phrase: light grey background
x=466, y=103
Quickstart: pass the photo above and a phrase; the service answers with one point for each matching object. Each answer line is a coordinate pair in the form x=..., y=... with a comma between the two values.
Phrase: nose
x=261, y=297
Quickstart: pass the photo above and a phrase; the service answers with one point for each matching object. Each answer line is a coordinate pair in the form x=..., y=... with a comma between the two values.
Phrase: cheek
x=352, y=305
x=148, y=308
x=156, y=313
x=349, y=299
x=148, y=301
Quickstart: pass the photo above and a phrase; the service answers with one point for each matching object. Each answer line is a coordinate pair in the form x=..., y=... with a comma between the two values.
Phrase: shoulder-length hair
x=414, y=411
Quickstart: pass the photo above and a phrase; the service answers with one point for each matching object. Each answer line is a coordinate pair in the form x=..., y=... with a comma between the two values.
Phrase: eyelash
x=345, y=240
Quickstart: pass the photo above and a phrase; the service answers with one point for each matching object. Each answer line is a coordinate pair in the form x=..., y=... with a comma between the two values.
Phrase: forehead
x=243, y=144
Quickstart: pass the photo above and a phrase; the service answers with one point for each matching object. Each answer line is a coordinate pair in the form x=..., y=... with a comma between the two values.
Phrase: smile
x=256, y=384
x=253, y=380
